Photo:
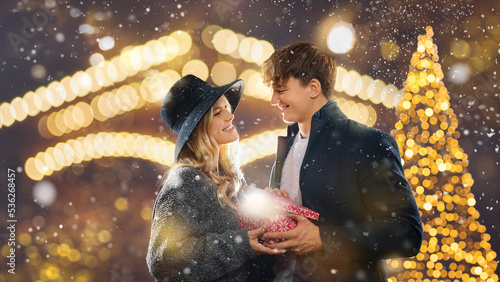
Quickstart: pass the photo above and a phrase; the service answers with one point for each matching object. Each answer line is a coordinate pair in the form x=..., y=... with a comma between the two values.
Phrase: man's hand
x=277, y=192
x=258, y=248
x=303, y=239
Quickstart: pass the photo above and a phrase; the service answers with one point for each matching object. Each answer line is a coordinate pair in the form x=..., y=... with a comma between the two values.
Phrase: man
x=349, y=173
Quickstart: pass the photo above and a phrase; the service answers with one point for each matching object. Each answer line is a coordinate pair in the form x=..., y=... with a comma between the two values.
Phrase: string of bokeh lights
x=128, y=63
x=125, y=144
x=139, y=58
x=135, y=95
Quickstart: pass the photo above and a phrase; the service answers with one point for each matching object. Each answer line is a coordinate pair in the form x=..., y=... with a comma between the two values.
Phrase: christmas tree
x=455, y=245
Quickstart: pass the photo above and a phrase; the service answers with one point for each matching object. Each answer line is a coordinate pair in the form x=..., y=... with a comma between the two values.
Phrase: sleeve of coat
x=395, y=229
x=179, y=249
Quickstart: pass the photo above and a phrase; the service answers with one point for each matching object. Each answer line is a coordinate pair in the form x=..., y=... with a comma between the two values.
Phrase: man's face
x=294, y=101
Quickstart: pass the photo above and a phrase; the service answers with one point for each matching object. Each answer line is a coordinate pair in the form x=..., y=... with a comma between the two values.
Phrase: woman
x=195, y=233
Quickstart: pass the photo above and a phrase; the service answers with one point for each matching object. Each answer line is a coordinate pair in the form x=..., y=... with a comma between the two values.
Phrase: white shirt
x=290, y=182
x=290, y=175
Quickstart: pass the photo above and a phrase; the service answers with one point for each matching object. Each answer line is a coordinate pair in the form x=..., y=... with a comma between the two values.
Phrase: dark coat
x=194, y=238
x=352, y=176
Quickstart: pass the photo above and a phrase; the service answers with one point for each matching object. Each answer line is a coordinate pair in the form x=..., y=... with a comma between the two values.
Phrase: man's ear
x=315, y=88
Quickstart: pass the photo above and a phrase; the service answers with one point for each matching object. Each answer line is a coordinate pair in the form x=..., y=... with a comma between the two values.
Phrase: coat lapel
x=330, y=113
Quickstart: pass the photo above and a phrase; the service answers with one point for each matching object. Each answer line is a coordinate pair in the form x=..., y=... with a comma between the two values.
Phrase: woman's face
x=221, y=127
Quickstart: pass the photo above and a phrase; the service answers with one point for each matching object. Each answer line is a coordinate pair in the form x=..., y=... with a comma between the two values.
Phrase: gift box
x=259, y=207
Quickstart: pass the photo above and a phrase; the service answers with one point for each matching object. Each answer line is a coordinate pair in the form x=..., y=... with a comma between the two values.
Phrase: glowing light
x=471, y=202
x=154, y=88
x=454, y=243
x=225, y=41
x=196, y=67
x=442, y=167
x=104, y=236
x=444, y=106
x=95, y=146
x=245, y=48
x=341, y=38
x=130, y=62
x=96, y=59
x=256, y=52
x=85, y=28
x=389, y=96
x=223, y=73
x=389, y=50
x=429, y=112
x=183, y=40
x=365, y=81
x=350, y=84
x=106, y=43
x=38, y=72
x=208, y=34
x=254, y=86
x=146, y=213
x=366, y=88
x=409, y=154
x=126, y=98
x=375, y=91
x=460, y=49
x=58, y=93
x=257, y=204
x=121, y=204
x=459, y=73
x=339, y=81
x=266, y=50
x=44, y=193
x=102, y=74
x=19, y=108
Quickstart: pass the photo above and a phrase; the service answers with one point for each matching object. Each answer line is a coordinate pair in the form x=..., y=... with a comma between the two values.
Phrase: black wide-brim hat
x=187, y=102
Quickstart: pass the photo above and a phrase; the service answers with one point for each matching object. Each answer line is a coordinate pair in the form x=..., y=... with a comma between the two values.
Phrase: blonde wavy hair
x=219, y=163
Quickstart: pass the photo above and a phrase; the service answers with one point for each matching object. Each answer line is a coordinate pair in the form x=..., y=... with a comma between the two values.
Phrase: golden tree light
x=456, y=245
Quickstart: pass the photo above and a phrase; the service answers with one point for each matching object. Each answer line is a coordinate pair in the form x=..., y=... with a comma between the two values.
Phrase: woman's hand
x=257, y=247
x=278, y=192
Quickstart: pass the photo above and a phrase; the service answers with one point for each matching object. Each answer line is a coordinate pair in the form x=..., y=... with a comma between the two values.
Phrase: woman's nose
x=274, y=99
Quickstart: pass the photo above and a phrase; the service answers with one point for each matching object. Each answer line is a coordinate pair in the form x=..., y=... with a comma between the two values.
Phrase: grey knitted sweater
x=193, y=238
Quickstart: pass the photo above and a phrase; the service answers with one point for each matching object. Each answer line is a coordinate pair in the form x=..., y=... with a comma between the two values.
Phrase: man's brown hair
x=304, y=61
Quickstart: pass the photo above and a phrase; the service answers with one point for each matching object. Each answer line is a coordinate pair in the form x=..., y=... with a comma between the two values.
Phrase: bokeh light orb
x=96, y=58
x=106, y=43
x=389, y=50
x=85, y=28
x=223, y=73
x=38, y=72
x=60, y=37
x=459, y=73
x=44, y=193
x=196, y=67
x=341, y=38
